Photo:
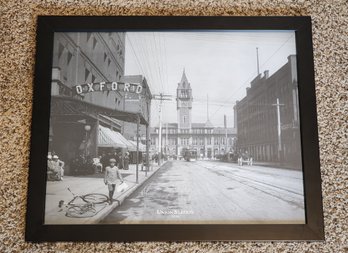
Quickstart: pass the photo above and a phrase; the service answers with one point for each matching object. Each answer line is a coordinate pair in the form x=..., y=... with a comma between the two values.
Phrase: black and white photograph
x=174, y=127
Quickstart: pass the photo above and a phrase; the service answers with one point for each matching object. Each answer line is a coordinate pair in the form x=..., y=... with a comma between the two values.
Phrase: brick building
x=90, y=122
x=256, y=117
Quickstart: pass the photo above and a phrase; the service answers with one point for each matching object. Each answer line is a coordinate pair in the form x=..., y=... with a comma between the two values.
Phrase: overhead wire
x=252, y=76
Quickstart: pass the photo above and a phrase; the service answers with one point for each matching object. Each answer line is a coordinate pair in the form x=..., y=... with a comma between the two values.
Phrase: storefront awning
x=62, y=105
x=108, y=138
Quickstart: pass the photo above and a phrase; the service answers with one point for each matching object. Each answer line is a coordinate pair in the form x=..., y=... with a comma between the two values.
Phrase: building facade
x=207, y=140
x=267, y=118
x=90, y=120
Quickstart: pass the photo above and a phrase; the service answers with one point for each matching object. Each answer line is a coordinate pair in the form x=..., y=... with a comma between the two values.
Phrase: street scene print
x=174, y=127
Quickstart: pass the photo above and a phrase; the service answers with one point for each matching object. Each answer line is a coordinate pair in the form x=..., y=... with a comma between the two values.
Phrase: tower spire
x=184, y=80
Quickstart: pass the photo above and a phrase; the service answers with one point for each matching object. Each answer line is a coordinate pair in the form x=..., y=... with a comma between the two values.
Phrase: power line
x=252, y=76
x=140, y=65
x=157, y=52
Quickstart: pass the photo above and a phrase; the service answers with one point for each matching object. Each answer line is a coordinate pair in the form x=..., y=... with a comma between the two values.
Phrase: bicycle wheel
x=95, y=198
x=82, y=211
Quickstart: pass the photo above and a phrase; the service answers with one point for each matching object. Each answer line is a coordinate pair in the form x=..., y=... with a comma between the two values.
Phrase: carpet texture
x=17, y=50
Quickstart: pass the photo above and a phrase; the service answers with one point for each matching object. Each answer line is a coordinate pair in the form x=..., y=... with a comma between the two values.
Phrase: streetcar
x=190, y=155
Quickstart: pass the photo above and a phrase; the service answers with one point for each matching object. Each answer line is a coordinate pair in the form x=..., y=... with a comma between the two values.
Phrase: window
x=88, y=36
x=60, y=50
x=94, y=43
x=184, y=119
x=86, y=74
x=184, y=141
x=69, y=57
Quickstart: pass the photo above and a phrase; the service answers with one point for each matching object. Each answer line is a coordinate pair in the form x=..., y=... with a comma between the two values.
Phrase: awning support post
x=147, y=159
x=137, y=154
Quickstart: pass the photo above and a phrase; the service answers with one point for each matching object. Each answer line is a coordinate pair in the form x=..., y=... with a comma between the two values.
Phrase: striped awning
x=108, y=138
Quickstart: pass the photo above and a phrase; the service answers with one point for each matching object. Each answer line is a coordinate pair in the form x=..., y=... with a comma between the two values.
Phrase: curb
x=120, y=199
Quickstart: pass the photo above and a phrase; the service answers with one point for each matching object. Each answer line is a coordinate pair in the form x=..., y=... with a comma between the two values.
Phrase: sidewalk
x=80, y=185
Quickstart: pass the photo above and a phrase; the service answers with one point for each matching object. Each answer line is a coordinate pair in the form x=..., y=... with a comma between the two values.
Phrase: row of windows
x=95, y=42
x=185, y=131
x=65, y=56
x=195, y=141
x=185, y=141
x=199, y=141
x=184, y=93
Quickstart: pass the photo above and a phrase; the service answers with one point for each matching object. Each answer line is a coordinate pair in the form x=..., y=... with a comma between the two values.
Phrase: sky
x=218, y=64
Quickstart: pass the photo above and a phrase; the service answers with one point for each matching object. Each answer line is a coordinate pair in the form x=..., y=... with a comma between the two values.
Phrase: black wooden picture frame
x=37, y=231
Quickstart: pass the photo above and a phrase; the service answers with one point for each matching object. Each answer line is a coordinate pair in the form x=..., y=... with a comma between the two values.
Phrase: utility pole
x=161, y=97
x=137, y=165
x=278, y=105
x=138, y=135
x=257, y=57
x=225, y=124
x=166, y=138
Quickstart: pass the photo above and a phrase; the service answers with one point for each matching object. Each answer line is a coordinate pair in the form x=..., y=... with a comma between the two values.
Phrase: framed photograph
x=174, y=129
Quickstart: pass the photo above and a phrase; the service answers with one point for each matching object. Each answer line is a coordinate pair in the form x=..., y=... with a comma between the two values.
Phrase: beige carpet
x=17, y=50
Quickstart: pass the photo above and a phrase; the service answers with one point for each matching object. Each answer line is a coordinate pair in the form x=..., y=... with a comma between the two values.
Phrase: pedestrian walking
x=110, y=179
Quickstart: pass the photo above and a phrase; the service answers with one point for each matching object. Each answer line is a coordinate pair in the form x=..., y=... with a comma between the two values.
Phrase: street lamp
x=87, y=129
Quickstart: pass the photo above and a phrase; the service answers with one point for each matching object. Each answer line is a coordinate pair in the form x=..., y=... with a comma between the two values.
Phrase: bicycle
x=86, y=209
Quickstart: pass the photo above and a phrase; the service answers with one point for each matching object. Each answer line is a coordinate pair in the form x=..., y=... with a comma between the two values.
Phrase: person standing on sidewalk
x=58, y=167
x=110, y=179
x=120, y=160
x=126, y=161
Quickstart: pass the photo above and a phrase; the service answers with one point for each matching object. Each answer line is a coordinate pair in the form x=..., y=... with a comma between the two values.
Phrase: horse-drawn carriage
x=245, y=158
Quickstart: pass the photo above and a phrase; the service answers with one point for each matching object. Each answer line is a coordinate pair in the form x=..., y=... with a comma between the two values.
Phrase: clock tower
x=184, y=103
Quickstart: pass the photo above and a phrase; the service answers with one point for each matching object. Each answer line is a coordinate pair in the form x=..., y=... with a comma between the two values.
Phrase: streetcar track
x=259, y=189
x=213, y=182
x=252, y=169
x=257, y=181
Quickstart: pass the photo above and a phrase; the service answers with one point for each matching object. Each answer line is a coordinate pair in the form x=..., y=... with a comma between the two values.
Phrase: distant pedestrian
x=110, y=179
x=120, y=160
x=146, y=162
x=104, y=160
x=97, y=164
x=126, y=161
